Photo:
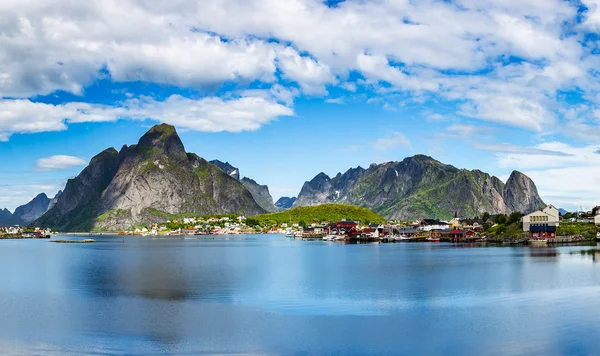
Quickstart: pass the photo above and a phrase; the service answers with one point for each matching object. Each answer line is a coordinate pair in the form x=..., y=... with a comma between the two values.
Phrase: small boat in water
x=329, y=237
x=433, y=239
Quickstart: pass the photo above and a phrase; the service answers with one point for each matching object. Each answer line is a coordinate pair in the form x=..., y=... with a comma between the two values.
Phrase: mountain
x=34, y=209
x=228, y=168
x=562, y=211
x=421, y=187
x=260, y=193
x=7, y=219
x=54, y=200
x=141, y=184
x=284, y=203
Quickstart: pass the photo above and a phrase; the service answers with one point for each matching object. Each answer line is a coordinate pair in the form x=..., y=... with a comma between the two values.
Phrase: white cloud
x=59, y=162
x=504, y=61
x=565, y=175
x=393, y=140
x=211, y=114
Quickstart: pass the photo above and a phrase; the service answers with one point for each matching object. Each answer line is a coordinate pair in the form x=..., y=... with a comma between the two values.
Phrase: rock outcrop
x=420, y=187
x=143, y=184
x=520, y=193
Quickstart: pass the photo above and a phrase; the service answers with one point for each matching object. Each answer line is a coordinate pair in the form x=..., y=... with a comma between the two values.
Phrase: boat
x=329, y=237
x=433, y=239
x=340, y=238
x=402, y=238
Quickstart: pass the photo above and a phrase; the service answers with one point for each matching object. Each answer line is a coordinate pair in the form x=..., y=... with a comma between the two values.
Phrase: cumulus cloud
x=59, y=162
x=505, y=62
x=210, y=114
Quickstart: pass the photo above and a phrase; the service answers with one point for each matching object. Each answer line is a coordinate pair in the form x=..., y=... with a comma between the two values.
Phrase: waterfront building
x=547, y=217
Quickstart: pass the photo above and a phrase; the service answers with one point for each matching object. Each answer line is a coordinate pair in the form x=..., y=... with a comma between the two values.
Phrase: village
x=540, y=226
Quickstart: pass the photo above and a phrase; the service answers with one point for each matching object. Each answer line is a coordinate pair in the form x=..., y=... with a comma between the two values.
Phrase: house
x=407, y=232
x=343, y=225
x=597, y=219
x=430, y=224
x=455, y=223
x=549, y=216
x=472, y=224
x=542, y=232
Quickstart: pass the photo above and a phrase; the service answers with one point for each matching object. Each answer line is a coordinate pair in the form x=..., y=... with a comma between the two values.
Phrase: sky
x=287, y=89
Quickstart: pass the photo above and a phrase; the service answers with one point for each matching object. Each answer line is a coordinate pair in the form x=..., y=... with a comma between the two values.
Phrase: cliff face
x=144, y=182
x=420, y=187
x=520, y=193
x=260, y=193
x=54, y=200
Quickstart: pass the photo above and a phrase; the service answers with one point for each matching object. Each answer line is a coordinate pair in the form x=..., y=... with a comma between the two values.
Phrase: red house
x=542, y=232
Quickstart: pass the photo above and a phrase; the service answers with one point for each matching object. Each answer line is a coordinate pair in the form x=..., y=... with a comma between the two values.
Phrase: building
x=472, y=224
x=542, y=232
x=430, y=224
x=549, y=216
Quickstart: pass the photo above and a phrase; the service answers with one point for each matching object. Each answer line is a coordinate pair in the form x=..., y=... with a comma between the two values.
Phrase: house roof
x=472, y=221
x=542, y=228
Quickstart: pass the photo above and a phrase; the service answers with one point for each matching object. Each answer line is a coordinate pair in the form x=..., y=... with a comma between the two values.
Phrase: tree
x=485, y=216
x=302, y=223
x=515, y=217
x=500, y=219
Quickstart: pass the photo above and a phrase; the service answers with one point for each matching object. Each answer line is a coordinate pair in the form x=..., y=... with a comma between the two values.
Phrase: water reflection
x=272, y=295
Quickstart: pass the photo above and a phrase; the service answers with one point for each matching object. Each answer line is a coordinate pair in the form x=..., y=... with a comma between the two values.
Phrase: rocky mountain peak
x=162, y=138
x=144, y=183
x=521, y=194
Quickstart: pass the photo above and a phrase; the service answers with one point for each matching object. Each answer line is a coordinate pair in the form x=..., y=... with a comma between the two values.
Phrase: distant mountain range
x=145, y=183
x=420, y=187
x=26, y=214
x=285, y=203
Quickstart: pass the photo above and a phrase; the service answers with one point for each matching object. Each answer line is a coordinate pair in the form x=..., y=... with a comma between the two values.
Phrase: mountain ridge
x=422, y=187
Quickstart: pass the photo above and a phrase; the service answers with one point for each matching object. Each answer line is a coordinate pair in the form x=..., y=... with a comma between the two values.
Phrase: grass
x=587, y=230
x=319, y=213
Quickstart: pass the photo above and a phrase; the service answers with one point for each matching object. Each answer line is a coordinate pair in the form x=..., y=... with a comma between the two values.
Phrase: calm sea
x=264, y=294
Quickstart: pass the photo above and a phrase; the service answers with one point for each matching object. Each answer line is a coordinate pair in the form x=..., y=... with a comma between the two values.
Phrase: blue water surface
x=265, y=294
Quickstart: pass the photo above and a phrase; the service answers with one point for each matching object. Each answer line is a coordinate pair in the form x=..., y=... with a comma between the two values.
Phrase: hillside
x=319, y=213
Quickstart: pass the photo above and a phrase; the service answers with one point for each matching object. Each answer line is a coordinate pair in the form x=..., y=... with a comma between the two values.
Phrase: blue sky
x=287, y=89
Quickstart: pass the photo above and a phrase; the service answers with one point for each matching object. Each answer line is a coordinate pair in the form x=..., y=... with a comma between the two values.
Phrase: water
x=264, y=294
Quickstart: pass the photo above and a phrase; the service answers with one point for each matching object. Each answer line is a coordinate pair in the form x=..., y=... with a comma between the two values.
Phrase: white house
x=597, y=219
x=549, y=216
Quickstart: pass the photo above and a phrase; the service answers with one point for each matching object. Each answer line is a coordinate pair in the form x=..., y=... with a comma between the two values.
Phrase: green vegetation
x=586, y=230
x=507, y=228
x=319, y=213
